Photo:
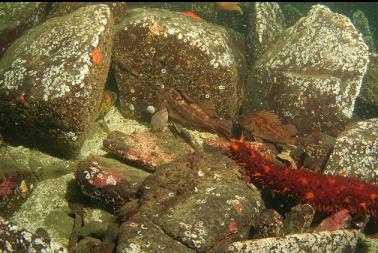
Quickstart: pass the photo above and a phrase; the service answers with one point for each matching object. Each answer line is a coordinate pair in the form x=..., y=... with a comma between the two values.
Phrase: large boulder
x=52, y=80
x=155, y=49
x=312, y=75
x=15, y=18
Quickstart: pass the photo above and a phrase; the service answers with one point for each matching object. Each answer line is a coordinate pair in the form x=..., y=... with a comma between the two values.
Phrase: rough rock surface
x=15, y=18
x=47, y=208
x=109, y=181
x=355, y=152
x=340, y=241
x=299, y=219
x=194, y=204
x=154, y=49
x=147, y=149
x=313, y=74
x=267, y=24
x=63, y=8
x=16, y=239
x=52, y=80
x=367, y=100
x=269, y=223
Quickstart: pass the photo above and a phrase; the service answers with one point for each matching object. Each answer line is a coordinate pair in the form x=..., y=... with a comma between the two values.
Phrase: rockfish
x=266, y=125
x=184, y=110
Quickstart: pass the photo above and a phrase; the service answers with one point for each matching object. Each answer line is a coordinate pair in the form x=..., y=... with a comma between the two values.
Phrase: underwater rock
x=52, y=80
x=269, y=223
x=16, y=239
x=148, y=149
x=15, y=187
x=194, y=204
x=109, y=181
x=93, y=245
x=318, y=147
x=156, y=49
x=267, y=24
x=17, y=17
x=63, y=8
x=26, y=160
x=299, y=219
x=47, y=207
x=355, y=152
x=342, y=241
x=361, y=22
x=312, y=75
x=367, y=100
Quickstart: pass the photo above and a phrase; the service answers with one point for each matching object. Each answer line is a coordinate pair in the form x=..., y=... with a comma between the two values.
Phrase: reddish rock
x=109, y=181
x=148, y=149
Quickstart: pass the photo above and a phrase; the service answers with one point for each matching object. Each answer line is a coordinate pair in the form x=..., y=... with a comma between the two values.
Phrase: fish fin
x=224, y=127
x=160, y=119
x=290, y=129
x=184, y=95
x=269, y=116
x=209, y=107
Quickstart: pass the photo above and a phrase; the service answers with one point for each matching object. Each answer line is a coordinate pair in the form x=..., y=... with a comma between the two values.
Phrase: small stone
x=299, y=219
x=268, y=224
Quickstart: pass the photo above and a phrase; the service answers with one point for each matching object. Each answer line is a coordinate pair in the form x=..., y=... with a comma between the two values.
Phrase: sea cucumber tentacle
x=327, y=193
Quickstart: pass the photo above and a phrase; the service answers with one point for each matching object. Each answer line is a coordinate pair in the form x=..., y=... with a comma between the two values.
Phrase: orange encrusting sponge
x=327, y=193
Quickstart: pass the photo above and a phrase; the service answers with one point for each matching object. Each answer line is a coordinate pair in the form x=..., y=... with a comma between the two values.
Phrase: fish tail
x=223, y=127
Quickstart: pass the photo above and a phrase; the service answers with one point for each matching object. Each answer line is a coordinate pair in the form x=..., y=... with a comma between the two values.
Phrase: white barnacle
x=133, y=99
x=207, y=96
x=151, y=109
x=222, y=87
x=200, y=173
x=163, y=71
x=131, y=107
x=179, y=36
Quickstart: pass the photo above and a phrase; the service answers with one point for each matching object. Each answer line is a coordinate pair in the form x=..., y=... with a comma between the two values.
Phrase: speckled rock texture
x=355, y=152
x=367, y=100
x=109, y=181
x=195, y=204
x=340, y=241
x=147, y=149
x=63, y=8
x=15, y=187
x=313, y=74
x=154, y=49
x=16, y=239
x=52, y=80
x=15, y=18
x=41, y=165
x=47, y=208
x=299, y=219
x=269, y=223
x=267, y=24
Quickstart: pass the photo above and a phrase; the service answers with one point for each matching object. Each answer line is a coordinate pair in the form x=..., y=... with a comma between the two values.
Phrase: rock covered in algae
x=147, y=149
x=63, y=8
x=155, y=49
x=194, y=204
x=17, y=17
x=51, y=80
x=341, y=241
x=15, y=239
x=109, y=181
x=355, y=151
x=312, y=75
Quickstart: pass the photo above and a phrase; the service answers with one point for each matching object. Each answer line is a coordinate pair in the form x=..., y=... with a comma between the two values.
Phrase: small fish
x=230, y=6
x=266, y=125
x=108, y=100
x=338, y=220
x=160, y=119
x=191, y=15
x=183, y=110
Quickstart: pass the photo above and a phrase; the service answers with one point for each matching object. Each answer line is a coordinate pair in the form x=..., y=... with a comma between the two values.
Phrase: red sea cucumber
x=327, y=193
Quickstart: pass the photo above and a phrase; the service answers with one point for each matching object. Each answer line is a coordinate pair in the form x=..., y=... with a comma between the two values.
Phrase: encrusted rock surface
x=312, y=75
x=47, y=208
x=52, y=80
x=194, y=204
x=154, y=49
x=355, y=151
x=299, y=219
x=340, y=241
x=15, y=239
x=109, y=181
x=147, y=149
x=17, y=17
x=63, y=8
x=267, y=24
x=269, y=223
